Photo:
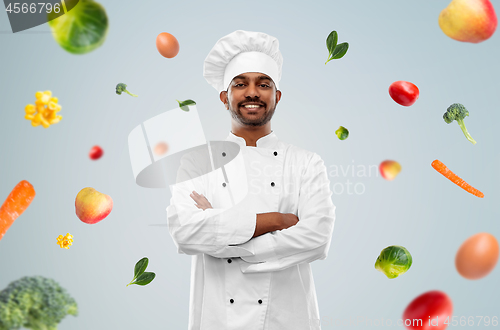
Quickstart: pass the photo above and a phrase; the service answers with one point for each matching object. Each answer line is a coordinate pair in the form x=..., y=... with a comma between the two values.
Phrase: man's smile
x=252, y=107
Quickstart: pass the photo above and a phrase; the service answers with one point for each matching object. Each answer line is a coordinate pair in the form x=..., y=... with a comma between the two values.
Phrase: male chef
x=251, y=251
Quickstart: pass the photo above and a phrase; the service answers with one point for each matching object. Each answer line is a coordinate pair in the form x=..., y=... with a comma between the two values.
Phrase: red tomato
x=167, y=45
x=404, y=92
x=95, y=153
x=434, y=304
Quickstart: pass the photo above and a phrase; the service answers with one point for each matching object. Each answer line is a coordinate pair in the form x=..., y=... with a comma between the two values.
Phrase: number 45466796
x=472, y=321
x=32, y=8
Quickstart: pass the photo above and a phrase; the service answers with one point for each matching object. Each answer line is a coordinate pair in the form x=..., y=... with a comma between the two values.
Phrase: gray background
x=389, y=40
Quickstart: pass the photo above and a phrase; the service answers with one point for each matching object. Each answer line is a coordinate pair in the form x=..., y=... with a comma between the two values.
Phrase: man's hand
x=201, y=201
x=288, y=220
x=267, y=222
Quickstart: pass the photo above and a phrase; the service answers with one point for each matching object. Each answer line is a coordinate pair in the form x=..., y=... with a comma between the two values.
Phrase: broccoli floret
x=458, y=112
x=36, y=303
x=121, y=87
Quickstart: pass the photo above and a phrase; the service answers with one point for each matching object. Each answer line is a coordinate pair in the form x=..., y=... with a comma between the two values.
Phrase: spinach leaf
x=145, y=278
x=331, y=42
x=184, y=105
x=140, y=267
x=335, y=51
x=140, y=276
x=340, y=50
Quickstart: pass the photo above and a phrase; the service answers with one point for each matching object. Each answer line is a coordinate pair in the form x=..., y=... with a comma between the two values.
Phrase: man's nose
x=252, y=91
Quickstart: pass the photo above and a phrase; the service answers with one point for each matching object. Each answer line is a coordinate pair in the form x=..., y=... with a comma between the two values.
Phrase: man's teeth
x=251, y=106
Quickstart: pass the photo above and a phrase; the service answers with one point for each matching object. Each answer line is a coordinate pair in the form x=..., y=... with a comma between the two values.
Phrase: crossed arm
x=268, y=241
x=265, y=222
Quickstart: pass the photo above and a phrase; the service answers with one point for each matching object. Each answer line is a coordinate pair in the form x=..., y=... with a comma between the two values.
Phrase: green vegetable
x=342, y=133
x=141, y=277
x=393, y=261
x=458, y=112
x=335, y=51
x=121, y=87
x=184, y=104
x=36, y=303
x=82, y=29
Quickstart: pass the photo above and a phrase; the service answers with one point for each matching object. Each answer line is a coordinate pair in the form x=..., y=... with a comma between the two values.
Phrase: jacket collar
x=268, y=141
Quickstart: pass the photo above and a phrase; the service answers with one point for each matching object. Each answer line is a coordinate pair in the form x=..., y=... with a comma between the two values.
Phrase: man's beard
x=259, y=121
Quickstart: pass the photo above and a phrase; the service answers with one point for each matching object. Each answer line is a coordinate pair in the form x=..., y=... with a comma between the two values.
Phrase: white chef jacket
x=261, y=283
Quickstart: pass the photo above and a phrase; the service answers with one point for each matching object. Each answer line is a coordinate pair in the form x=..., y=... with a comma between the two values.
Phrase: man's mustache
x=252, y=100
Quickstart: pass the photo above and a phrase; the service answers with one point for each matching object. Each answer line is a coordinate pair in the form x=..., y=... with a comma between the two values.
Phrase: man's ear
x=278, y=96
x=223, y=98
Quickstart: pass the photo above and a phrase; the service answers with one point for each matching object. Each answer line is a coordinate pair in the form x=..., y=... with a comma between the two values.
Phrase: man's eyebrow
x=245, y=78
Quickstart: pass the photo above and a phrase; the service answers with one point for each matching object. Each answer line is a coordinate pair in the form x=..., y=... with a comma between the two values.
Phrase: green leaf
x=144, y=278
x=331, y=42
x=340, y=50
x=140, y=267
x=184, y=104
x=188, y=102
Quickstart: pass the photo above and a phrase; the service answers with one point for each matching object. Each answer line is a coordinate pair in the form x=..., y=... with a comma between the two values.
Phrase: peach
x=161, y=148
x=468, y=20
x=389, y=169
x=92, y=206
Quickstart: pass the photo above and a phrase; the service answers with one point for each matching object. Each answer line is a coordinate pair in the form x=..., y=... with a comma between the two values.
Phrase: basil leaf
x=331, y=42
x=140, y=267
x=144, y=279
x=340, y=50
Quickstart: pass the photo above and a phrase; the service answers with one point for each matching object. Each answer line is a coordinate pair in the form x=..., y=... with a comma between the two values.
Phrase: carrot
x=16, y=203
x=441, y=168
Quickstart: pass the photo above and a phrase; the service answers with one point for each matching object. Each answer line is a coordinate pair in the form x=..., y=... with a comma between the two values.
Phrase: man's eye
x=265, y=85
x=238, y=85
